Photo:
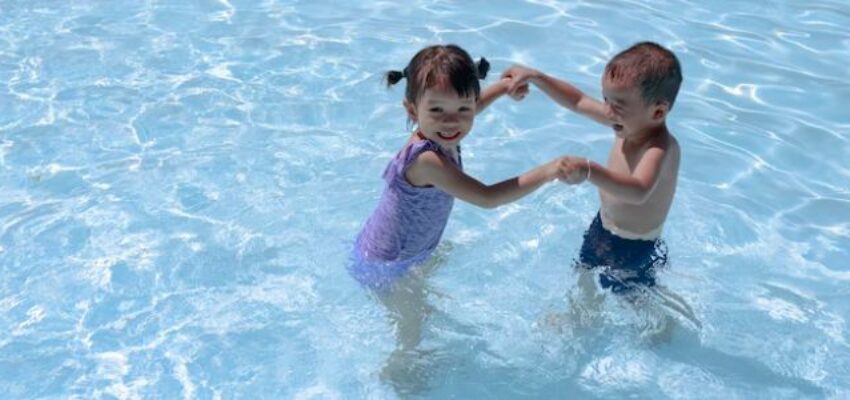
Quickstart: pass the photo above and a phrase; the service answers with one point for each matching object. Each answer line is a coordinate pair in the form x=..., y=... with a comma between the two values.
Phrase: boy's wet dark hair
x=444, y=67
x=649, y=66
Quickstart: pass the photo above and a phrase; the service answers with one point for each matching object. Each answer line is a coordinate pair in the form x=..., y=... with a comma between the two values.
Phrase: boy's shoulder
x=673, y=144
x=665, y=145
x=673, y=152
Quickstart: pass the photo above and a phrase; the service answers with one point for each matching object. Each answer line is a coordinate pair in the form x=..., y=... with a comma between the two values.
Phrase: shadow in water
x=686, y=347
x=668, y=324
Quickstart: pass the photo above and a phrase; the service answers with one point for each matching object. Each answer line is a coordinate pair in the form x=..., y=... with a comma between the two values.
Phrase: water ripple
x=182, y=183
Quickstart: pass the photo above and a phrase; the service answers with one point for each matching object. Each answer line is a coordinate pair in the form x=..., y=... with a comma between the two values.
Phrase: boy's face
x=443, y=116
x=630, y=115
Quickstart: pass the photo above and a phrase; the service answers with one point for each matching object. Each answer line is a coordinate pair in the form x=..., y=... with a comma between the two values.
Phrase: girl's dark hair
x=442, y=66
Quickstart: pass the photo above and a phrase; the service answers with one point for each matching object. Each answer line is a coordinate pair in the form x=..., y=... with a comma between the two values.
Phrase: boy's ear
x=661, y=109
x=411, y=110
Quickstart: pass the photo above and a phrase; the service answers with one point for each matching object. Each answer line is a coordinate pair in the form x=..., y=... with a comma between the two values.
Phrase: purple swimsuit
x=405, y=227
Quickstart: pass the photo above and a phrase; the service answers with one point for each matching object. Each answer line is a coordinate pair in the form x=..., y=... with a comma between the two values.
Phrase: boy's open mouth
x=448, y=137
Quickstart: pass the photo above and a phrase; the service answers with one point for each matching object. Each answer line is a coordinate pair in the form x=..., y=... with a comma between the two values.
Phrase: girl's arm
x=491, y=93
x=433, y=169
x=561, y=92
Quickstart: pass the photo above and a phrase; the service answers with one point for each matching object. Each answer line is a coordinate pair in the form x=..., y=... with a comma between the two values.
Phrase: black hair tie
x=482, y=67
x=394, y=76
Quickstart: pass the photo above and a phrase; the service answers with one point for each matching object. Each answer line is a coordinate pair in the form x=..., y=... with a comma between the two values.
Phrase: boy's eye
x=464, y=109
x=435, y=109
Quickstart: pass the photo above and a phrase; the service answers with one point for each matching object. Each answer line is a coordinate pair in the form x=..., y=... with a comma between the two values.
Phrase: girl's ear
x=411, y=110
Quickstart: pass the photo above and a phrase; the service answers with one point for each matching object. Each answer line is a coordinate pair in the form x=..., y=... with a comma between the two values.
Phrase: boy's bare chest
x=624, y=160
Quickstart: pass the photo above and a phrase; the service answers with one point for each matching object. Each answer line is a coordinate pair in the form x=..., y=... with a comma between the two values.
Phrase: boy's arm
x=635, y=188
x=432, y=169
x=561, y=92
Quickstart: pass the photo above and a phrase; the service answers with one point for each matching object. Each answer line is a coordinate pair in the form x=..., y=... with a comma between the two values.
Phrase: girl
x=422, y=181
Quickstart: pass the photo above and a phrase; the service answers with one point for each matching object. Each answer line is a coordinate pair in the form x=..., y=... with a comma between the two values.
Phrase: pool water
x=181, y=184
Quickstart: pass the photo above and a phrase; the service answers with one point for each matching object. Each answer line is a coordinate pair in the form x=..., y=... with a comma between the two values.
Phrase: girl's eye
x=435, y=109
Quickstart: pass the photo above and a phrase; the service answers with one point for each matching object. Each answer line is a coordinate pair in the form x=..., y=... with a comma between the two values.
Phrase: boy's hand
x=519, y=93
x=572, y=170
x=519, y=75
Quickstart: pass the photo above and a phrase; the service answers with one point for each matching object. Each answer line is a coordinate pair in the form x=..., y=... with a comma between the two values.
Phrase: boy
x=636, y=186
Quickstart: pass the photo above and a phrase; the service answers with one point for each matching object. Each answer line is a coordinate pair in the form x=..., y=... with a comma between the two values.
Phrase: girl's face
x=442, y=115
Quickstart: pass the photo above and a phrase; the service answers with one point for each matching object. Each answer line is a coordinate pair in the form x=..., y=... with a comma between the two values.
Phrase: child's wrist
x=536, y=76
x=553, y=170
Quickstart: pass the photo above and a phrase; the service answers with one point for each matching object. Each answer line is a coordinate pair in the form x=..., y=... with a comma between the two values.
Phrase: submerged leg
x=407, y=367
x=661, y=311
x=588, y=300
x=585, y=302
x=677, y=304
x=407, y=310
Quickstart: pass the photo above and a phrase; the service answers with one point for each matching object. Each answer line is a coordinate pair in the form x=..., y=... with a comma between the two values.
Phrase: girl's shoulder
x=415, y=148
x=433, y=153
x=412, y=152
x=406, y=157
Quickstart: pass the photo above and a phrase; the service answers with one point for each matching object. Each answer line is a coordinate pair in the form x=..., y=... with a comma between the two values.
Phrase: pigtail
x=482, y=67
x=393, y=77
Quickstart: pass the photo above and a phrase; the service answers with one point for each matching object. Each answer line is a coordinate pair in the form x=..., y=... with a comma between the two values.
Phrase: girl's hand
x=519, y=75
x=518, y=93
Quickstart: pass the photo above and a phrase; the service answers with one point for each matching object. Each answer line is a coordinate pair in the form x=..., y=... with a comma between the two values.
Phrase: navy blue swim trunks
x=624, y=263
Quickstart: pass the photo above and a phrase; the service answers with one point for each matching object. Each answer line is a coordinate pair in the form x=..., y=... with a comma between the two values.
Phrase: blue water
x=180, y=183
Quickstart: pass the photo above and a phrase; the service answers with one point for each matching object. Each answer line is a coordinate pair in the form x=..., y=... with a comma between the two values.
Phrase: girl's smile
x=452, y=137
x=443, y=115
